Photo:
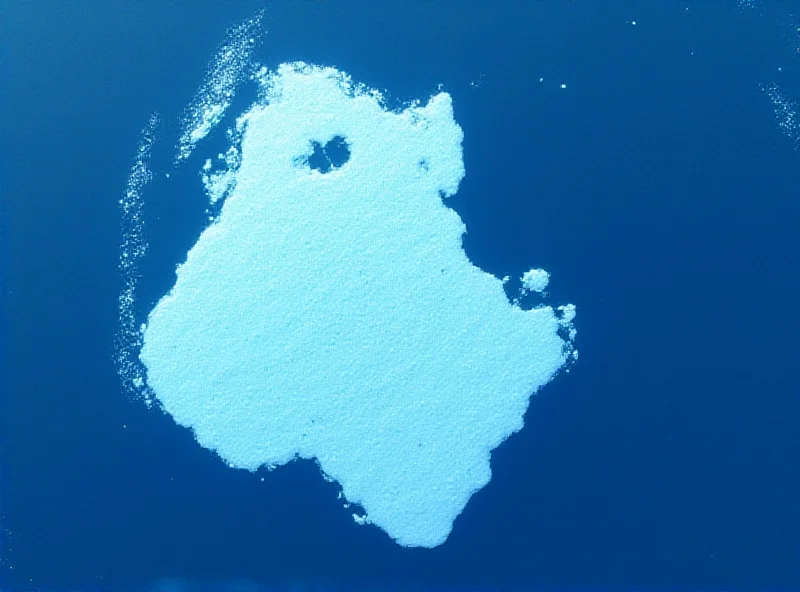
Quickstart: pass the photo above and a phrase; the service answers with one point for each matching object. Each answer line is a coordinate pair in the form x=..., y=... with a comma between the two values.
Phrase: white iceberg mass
x=335, y=316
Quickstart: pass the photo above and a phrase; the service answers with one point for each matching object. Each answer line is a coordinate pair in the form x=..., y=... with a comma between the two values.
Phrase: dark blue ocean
x=659, y=188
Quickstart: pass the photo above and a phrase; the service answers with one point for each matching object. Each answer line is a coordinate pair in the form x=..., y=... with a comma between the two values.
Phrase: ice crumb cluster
x=228, y=68
x=785, y=112
x=132, y=248
x=535, y=280
x=748, y=4
x=219, y=179
x=335, y=316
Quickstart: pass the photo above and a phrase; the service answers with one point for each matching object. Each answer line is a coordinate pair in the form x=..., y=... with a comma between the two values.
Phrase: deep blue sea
x=644, y=153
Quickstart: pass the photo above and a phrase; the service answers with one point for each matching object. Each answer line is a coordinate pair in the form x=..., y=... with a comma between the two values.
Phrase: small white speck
x=541, y=80
x=563, y=85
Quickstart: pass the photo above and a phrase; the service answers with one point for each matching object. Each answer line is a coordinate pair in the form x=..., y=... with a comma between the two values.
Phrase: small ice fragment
x=535, y=280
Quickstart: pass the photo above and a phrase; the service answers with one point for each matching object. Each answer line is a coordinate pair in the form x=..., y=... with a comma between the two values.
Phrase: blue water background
x=656, y=188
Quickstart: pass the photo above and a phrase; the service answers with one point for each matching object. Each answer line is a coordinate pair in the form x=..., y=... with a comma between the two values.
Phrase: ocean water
x=644, y=154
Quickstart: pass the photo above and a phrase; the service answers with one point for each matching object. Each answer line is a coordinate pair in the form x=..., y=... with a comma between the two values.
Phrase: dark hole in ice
x=338, y=151
x=331, y=156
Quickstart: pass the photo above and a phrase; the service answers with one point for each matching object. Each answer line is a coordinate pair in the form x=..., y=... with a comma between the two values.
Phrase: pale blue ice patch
x=335, y=315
